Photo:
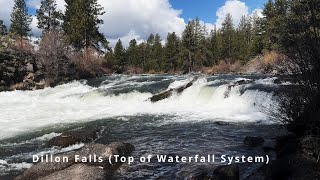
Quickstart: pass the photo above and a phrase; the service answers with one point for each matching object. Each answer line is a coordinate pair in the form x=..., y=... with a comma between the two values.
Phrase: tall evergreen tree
x=81, y=23
x=120, y=57
x=48, y=16
x=133, y=54
x=20, y=20
x=3, y=28
x=215, y=46
x=228, y=31
x=243, y=40
x=150, y=63
x=172, y=52
x=157, y=53
x=189, y=45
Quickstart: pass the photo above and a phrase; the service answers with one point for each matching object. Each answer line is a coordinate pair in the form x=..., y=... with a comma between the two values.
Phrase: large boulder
x=84, y=159
x=78, y=172
x=73, y=137
x=230, y=172
x=43, y=169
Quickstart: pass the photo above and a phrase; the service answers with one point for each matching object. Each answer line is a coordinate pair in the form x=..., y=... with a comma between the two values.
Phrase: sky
x=128, y=19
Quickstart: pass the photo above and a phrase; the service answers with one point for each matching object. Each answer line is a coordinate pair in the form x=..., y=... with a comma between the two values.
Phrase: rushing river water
x=184, y=124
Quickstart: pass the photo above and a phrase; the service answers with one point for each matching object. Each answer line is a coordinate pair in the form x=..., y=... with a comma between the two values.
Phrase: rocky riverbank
x=296, y=159
x=91, y=162
x=20, y=70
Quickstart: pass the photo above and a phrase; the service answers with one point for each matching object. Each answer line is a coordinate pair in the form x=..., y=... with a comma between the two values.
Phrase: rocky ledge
x=91, y=162
x=80, y=164
x=20, y=71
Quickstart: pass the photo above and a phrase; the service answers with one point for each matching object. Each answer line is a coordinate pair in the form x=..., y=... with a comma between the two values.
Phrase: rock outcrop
x=168, y=93
x=20, y=70
x=230, y=172
x=81, y=164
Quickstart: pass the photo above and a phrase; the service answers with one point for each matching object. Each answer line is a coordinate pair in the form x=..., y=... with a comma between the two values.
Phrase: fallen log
x=168, y=93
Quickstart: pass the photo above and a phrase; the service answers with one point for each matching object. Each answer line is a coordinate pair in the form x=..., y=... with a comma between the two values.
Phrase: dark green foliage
x=172, y=53
x=294, y=27
x=48, y=16
x=158, y=54
x=192, y=43
x=133, y=54
x=3, y=28
x=81, y=23
x=20, y=20
x=228, y=39
x=120, y=57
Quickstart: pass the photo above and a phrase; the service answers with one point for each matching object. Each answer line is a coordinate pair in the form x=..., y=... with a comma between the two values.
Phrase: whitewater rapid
x=77, y=102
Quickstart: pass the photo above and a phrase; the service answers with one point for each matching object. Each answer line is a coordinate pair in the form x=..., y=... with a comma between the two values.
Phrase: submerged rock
x=253, y=141
x=73, y=137
x=230, y=172
x=198, y=174
x=80, y=164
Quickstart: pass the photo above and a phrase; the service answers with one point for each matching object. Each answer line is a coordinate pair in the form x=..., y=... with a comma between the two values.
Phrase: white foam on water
x=5, y=166
x=50, y=151
x=77, y=102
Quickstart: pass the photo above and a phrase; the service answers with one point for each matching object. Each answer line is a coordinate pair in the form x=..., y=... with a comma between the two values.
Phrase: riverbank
x=27, y=70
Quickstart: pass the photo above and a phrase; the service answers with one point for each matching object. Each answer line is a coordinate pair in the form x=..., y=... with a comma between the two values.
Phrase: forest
x=78, y=28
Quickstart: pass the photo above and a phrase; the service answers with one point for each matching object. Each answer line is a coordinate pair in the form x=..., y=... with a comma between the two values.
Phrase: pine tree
x=20, y=20
x=157, y=53
x=228, y=38
x=48, y=16
x=3, y=28
x=133, y=54
x=172, y=52
x=150, y=63
x=215, y=45
x=120, y=57
x=81, y=23
x=243, y=40
x=193, y=41
x=189, y=45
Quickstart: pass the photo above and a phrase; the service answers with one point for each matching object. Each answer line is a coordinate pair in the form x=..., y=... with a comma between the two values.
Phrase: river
x=210, y=117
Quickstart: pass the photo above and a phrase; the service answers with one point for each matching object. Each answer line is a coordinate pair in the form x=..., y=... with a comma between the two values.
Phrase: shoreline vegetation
x=286, y=40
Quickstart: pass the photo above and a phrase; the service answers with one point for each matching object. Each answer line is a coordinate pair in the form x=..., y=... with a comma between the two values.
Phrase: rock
x=29, y=67
x=39, y=76
x=73, y=137
x=293, y=167
x=310, y=147
x=168, y=93
x=43, y=169
x=230, y=172
x=103, y=151
x=4, y=88
x=30, y=76
x=277, y=81
x=61, y=170
x=23, y=86
x=253, y=141
x=161, y=96
x=78, y=172
x=198, y=174
x=222, y=123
